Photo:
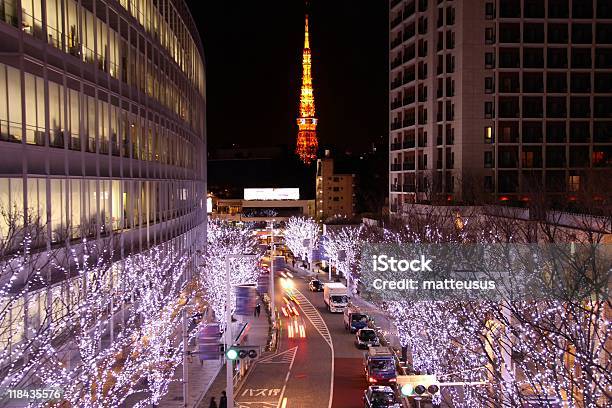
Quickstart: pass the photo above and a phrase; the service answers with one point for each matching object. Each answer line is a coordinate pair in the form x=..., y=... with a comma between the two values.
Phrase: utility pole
x=229, y=341
x=229, y=365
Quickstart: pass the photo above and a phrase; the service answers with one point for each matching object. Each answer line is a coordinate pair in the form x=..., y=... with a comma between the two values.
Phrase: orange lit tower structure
x=307, y=123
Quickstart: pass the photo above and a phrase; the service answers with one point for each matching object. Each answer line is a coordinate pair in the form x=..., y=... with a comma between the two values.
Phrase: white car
x=366, y=338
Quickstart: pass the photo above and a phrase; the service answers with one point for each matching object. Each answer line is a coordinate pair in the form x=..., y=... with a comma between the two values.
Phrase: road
x=299, y=375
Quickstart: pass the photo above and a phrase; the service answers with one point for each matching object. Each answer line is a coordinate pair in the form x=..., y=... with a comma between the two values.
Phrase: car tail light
x=372, y=379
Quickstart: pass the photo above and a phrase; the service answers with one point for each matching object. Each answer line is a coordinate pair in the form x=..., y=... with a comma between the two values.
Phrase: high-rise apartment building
x=102, y=132
x=500, y=97
x=334, y=191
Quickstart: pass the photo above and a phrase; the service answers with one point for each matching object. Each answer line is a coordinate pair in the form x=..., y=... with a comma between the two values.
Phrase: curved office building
x=102, y=127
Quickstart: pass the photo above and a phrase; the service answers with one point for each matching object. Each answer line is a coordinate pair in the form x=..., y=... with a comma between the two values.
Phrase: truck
x=380, y=366
x=335, y=296
x=354, y=319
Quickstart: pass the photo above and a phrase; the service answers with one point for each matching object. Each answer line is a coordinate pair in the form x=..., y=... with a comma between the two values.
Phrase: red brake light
x=372, y=379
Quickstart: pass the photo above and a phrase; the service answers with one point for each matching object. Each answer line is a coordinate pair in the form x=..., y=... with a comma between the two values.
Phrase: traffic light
x=241, y=352
x=418, y=385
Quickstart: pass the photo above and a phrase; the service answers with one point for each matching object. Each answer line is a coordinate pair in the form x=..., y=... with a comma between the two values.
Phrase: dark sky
x=253, y=55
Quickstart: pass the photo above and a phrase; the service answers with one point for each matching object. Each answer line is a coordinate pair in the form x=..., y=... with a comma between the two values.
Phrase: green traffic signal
x=231, y=354
x=407, y=390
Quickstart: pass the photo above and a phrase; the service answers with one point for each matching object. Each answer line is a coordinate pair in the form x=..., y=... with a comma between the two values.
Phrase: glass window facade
x=102, y=132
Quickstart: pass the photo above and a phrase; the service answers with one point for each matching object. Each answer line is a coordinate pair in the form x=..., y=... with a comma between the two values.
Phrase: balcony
x=396, y=167
x=409, y=188
x=396, y=21
x=409, y=165
x=408, y=143
x=409, y=55
x=409, y=121
x=396, y=104
x=396, y=62
x=397, y=82
x=395, y=125
x=396, y=146
x=408, y=100
x=409, y=33
x=396, y=188
x=409, y=10
x=397, y=41
x=409, y=78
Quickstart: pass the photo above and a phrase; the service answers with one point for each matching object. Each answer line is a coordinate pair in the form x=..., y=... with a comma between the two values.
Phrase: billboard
x=271, y=193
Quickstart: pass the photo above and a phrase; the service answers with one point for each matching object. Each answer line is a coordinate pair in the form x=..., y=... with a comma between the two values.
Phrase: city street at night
x=305, y=204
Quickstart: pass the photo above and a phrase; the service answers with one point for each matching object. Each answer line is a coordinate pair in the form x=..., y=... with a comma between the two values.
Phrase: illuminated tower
x=307, y=123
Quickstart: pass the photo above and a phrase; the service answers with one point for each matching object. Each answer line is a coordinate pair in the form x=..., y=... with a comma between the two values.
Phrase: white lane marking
x=317, y=321
x=315, y=318
x=280, y=399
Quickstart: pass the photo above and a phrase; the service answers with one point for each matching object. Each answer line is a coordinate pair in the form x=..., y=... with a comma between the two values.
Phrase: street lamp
x=272, y=314
x=229, y=341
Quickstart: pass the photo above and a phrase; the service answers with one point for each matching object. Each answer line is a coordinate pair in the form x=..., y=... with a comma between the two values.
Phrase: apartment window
x=488, y=134
x=533, y=9
x=532, y=132
x=558, y=8
x=556, y=82
x=489, y=10
x=488, y=159
x=489, y=85
x=582, y=9
x=450, y=15
x=488, y=184
x=580, y=107
x=450, y=40
x=422, y=5
x=604, y=9
x=533, y=58
x=557, y=58
x=533, y=33
x=581, y=82
x=490, y=35
x=510, y=9
x=603, y=58
x=509, y=58
x=555, y=156
x=531, y=157
x=603, y=33
x=557, y=33
x=582, y=33
x=510, y=33
x=573, y=184
x=579, y=156
x=488, y=109
x=555, y=132
x=533, y=82
x=450, y=87
x=450, y=63
x=489, y=60
x=581, y=58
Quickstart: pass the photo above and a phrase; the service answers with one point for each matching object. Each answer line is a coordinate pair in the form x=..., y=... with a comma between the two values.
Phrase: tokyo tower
x=307, y=142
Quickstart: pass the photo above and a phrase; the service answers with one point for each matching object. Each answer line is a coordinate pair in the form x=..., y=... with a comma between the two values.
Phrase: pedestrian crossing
x=312, y=314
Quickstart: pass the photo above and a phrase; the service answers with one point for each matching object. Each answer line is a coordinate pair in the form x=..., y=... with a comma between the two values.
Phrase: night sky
x=253, y=61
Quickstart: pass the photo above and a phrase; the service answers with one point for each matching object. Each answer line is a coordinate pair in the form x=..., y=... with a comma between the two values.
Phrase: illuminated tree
x=224, y=239
x=301, y=230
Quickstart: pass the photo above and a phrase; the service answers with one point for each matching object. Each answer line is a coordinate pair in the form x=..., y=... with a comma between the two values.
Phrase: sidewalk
x=256, y=334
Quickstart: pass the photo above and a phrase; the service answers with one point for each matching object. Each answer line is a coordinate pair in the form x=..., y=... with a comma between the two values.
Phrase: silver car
x=366, y=338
